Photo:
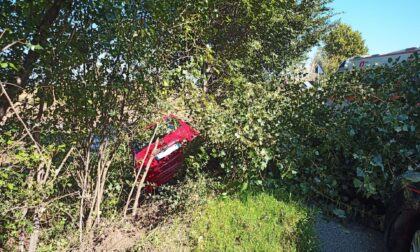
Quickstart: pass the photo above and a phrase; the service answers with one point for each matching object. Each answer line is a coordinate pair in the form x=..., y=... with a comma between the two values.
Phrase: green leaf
x=340, y=213
x=360, y=172
x=357, y=183
x=113, y=113
x=35, y=47
x=11, y=65
x=377, y=161
x=258, y=182
x=244, y=186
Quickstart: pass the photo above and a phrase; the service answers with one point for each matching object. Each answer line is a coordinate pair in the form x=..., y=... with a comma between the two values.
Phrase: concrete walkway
x=335, y=236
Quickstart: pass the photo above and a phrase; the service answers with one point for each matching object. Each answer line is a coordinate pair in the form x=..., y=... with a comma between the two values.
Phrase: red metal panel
x=161, y=171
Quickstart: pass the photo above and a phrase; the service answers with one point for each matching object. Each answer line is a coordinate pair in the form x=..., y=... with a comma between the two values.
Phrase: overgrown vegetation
x=80, y=80
x=344, y=141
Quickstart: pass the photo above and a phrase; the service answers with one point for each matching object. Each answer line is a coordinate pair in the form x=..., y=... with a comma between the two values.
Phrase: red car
x=174, y=135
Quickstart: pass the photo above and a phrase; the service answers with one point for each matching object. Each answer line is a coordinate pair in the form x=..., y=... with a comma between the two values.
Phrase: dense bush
x=367, y=136
x=344, y=140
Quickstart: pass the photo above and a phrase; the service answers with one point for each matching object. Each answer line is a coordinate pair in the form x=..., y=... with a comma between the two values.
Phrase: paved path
x=335, y=236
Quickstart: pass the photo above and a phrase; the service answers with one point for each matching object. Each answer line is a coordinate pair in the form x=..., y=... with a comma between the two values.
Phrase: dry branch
x=136, y=179
x=141, y=184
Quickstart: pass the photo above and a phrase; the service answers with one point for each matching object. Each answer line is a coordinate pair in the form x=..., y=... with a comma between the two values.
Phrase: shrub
x=316, y=140
x=355, y=150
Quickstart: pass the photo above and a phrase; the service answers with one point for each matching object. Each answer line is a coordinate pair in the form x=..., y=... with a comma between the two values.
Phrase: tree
x=93, y=67
x=257, y=35
x=341, y=42
x=33, y=31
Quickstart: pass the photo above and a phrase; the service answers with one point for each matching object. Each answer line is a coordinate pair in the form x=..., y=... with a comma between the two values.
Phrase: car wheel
x=415, y=242
x=403, y=233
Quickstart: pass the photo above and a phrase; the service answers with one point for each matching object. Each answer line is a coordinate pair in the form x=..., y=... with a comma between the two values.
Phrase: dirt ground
x=124, y=234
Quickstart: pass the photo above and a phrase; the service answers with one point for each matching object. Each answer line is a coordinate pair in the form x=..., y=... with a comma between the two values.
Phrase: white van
x=375, y=60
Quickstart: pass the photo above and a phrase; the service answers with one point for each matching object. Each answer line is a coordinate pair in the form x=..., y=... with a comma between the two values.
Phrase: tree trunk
x=33, y=242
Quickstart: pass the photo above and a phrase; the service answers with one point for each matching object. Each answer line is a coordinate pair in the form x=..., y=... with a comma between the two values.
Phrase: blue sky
x=386, y=25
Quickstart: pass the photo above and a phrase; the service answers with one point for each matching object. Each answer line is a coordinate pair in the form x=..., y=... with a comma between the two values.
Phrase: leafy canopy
x=342, y=42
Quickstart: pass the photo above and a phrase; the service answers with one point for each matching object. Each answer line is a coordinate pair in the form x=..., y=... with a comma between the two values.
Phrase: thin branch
x=138, y=172
x=43, y=204
x=12, y=84
x=62, y=164
x=11, y=44
x=141, y=184
x=59, y=197
x=4, y=32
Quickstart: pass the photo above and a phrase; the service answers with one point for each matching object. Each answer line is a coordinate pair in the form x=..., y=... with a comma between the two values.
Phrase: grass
x=252, y=221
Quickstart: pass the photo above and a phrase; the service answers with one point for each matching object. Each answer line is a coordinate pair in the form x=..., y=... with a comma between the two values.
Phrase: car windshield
x=143, y=137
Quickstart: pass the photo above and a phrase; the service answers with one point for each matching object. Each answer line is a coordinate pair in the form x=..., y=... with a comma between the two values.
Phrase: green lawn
x=253, y=221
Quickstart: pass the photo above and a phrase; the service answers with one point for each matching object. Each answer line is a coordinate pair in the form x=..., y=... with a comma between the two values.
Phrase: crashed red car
x=174, y=136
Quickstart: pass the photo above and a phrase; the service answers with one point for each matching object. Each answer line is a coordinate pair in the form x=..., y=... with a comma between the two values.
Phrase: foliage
x=343, y=141
x=341, y=43
x=366, y=135
x=84, y=77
